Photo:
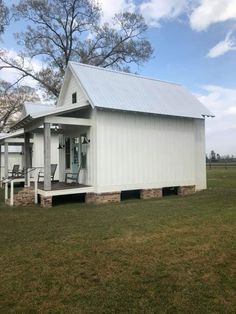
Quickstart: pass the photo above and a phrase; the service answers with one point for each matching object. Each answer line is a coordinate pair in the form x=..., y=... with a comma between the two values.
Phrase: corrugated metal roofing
x=12, y=134
x=33, y=108
x=111, y=89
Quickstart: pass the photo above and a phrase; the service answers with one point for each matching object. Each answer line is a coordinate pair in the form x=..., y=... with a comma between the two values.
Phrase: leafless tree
x=12, y=98
x=4, y=14
x=63, y=30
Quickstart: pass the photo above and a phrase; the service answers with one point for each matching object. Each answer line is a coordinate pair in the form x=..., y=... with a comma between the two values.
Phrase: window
x=67, y=152
x=74, y=98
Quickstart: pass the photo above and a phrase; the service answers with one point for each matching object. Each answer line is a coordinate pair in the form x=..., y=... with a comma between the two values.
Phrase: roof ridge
x=124, y=73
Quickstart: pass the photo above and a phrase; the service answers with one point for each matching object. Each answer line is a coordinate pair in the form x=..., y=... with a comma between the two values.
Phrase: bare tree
x=12, y=98
x=63, y=30
x=4, y=13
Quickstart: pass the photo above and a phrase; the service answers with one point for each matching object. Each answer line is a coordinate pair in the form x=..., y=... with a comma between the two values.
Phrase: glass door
x=75, y=154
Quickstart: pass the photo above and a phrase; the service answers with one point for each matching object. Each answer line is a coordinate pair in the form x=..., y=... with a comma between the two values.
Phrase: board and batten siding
x=38, y=149
x=72, y=86
x=200, y=154
x=138, y=151
x=13, y=159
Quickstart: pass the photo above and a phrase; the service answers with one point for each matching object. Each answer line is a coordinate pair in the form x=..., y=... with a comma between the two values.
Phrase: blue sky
x=194, y=44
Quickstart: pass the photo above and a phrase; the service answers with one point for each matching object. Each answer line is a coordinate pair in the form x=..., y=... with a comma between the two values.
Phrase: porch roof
x=46, y=113
x=12, y=136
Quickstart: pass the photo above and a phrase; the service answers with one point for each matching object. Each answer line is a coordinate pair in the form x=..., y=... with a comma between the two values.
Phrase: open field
x=174, y=255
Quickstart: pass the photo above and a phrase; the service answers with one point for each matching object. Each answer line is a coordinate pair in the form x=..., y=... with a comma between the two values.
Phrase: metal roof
x=111, y=89
x=41, y=114
x=33, y=108
x=17, y=133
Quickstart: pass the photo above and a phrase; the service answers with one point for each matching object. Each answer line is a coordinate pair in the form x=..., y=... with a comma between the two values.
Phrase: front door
x=75, y=154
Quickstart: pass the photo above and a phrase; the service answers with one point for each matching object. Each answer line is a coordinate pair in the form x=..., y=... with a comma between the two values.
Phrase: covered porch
x=75, y=155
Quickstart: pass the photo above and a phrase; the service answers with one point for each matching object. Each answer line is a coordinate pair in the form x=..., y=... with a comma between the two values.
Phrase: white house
x=123, y=132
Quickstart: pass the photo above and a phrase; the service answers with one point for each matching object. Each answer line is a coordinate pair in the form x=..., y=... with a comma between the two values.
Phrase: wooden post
x=6, y=160
x=47, y=157
x=6, y=190
x=36, y=186
x=27, y=156
x=0, y=165
x=12, y=193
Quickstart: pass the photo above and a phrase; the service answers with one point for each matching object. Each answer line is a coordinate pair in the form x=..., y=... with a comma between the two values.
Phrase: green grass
x=174, y=255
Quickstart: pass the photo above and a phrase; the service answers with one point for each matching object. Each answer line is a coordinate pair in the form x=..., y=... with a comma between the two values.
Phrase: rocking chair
x=73, y=177
x=53, y=171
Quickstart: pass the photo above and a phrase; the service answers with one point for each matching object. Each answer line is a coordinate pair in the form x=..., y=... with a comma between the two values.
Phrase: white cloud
x=156, y=10
x=110, y=8
x=228, y=44
x=211, y=12
x=221, y=130
x=202, y=13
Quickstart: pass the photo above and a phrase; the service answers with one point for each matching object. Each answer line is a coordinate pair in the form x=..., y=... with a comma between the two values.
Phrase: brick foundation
x=46, y=201
x=150, y=193
x=25, y=197
x=186, y=190
x=102, y=198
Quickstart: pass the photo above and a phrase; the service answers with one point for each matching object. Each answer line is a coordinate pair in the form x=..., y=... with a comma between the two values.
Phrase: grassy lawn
x=174, y=255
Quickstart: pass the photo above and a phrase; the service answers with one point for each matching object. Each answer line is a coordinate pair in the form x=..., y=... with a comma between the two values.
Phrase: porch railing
x=11, y=181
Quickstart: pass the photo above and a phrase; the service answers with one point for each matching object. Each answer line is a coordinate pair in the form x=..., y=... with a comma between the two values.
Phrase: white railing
x=30, y=179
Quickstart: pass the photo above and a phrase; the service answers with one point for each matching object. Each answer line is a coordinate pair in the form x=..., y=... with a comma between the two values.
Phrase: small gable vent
x=74, y=98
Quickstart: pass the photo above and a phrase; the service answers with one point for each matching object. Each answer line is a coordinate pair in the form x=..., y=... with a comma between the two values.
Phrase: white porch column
x=0, y=164
x=26, y=156
x=6, y=160
x=47, y=157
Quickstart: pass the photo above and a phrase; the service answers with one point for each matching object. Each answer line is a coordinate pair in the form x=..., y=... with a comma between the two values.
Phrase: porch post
x=6, y=160
x=0, y=165
x=26, y=156
x=47, y=157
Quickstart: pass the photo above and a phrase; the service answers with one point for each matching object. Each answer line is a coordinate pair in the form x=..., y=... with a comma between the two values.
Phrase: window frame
x=74, y=98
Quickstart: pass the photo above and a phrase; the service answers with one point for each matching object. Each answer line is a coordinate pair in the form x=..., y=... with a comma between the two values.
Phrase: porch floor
x=63, y=188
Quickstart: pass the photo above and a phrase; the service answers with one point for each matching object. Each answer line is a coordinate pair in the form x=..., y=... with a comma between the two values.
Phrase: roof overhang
x=13, y=138
x=28, y=120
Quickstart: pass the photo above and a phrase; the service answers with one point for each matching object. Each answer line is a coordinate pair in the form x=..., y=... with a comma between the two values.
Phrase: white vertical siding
x=200, y=154
x=38, y=149
x=13, y=159
x=71, y=87
x=144, y=151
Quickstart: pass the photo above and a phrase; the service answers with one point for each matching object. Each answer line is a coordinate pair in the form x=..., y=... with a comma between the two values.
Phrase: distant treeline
x=217, y=158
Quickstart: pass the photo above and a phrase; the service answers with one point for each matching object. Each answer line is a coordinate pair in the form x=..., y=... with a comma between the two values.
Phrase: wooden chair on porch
x=53, y=171
x=73, y=177
x=14, y=173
